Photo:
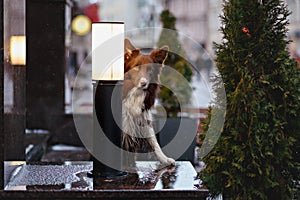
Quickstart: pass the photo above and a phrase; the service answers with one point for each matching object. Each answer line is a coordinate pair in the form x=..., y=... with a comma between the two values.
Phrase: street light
x=107, y=76
x=81, y=25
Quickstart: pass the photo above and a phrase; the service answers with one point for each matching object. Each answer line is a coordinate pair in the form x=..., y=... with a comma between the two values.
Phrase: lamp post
x=17, y=56
x=15, y=135
x=107, y=76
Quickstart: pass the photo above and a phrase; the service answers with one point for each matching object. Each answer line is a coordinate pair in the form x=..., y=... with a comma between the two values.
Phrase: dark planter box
x=167, y=129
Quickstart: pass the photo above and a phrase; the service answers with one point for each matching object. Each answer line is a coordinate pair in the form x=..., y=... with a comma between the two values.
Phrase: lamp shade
x=108, y=51
x=18, y=50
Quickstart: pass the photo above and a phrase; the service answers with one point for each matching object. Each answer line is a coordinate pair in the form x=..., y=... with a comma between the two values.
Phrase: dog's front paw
x=168, y=162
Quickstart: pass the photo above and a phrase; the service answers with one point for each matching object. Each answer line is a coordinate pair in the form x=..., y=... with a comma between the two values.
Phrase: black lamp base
x=101, y=170
x=109, y=123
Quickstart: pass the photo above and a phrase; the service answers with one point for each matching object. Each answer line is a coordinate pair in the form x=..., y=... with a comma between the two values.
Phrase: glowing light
x=18, y=50
x=108, y=51
x=81, y=25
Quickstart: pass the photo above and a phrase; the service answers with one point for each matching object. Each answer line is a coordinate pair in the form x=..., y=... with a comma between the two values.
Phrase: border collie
x=141, y=87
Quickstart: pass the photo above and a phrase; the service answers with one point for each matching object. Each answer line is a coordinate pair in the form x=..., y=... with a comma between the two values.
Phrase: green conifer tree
x=257, y=155
x=177, y=62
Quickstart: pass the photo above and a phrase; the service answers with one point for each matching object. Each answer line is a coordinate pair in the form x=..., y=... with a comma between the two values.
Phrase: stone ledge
x=69, y=180
x=107, y=194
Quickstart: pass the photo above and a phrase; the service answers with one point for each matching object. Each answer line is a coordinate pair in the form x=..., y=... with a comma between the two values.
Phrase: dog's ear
x=159, y=55
x=130, y=50
x=131, y=54
x=128, y=58
x=128, y=45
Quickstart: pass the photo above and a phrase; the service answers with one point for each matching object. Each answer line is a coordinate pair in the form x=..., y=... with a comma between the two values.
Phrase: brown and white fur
x=141, y=87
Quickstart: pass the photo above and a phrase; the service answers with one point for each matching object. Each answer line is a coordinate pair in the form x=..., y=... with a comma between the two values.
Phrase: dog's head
x=143, y=69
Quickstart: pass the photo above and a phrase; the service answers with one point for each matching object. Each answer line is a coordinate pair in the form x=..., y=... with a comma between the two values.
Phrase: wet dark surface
x=69, y=180
x=55, y=176
x=73, y=176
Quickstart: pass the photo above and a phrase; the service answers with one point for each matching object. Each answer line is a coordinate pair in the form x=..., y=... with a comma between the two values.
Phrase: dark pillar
x=14, y=112
x=14, y=126
x=108, y=121
x=1, y=99
x=46, y=60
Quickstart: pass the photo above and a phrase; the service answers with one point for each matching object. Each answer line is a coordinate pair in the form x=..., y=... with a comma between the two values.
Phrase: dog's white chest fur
x=136, y=123
x=135, y=119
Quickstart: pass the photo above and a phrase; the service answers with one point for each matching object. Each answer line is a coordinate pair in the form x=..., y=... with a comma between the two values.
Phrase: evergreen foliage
x=175, y=60
x=257, y=155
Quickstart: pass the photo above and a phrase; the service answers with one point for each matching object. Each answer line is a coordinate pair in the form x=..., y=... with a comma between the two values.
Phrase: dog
x=140, y=89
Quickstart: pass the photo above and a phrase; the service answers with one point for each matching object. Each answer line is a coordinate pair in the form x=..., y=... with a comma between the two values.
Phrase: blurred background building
x=198, y=19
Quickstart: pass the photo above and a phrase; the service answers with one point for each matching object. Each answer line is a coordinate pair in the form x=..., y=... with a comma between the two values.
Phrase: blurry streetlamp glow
x=108, y=51
x=81, y=25
x=18, y=50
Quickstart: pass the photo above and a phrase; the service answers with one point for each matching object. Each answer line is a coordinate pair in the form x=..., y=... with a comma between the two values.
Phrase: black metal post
x=110, y=125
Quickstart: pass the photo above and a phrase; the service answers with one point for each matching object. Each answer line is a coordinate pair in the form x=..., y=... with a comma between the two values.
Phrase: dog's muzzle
x=143, y=83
